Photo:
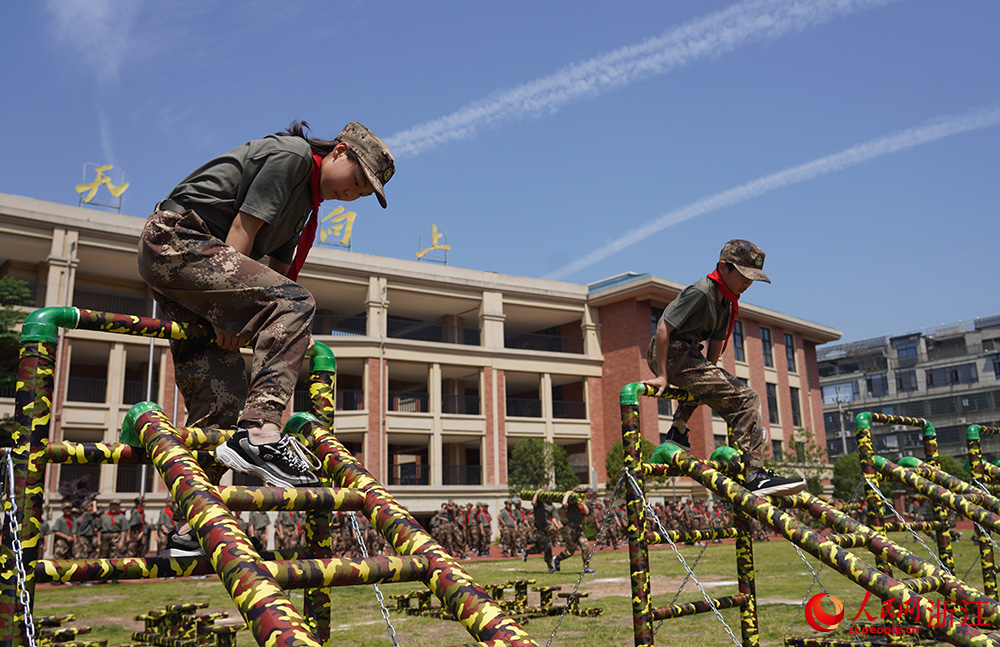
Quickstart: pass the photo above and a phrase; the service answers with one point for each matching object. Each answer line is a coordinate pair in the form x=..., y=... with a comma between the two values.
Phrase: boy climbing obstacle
x=202, y=251
x=705, y=311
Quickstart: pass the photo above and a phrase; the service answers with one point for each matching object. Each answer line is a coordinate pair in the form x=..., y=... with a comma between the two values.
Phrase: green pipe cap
x=130, y=432
x=863, y=420
x=631, y=392
x=725, y=453
x=298, y=421
x=972, y=432
x=910, y=461
x=928, y=429
x=43, y=324
x=321, y=358
x=663, y=454
x=879, y=461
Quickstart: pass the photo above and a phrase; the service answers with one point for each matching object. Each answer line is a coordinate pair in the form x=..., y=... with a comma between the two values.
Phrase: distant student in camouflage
x=576, y=513
x=113, y=531
x=62, y=533
x=286, y=531
x=706, y=311
x=85, y=532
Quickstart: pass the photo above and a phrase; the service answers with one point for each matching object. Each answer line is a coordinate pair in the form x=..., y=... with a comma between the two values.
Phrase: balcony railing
x=424, y=331
x=86, y=389
x=409, y=474
x=135, y=391
x=408, y=402
x=106, y=302
x=345, y=400
x=569, y=409
x=524, y=408
x=553, y=343
x=463, y=404
x=340, y=326
x=462, y=474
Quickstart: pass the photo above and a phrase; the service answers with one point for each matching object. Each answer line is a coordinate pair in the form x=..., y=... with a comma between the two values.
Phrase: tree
x=614, y=460
x=805, y=458
x=13, y=293
x=538, y=464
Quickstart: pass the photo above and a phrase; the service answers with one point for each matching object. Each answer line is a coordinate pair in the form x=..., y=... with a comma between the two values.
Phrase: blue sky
x=856, y=141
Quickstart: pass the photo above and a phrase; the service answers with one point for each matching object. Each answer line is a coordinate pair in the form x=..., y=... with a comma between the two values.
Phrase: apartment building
x=441, y=370
x=949, y=375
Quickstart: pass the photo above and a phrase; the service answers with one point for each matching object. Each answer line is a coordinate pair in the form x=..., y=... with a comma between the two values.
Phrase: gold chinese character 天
x=338, y=224
x=101, y=179
x=435, y=237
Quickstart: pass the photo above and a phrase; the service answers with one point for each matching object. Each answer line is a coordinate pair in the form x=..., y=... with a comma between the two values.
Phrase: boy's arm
x=714, y=350
x=663, y=332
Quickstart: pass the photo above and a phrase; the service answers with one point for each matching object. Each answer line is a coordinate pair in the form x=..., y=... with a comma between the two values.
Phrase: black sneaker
x=182, y=546
x=285, y=463
x=679, y=438
x=764, y=482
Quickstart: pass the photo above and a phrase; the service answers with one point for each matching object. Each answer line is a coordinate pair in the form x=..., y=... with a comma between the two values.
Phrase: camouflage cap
x=747, y=257
x=376, y=160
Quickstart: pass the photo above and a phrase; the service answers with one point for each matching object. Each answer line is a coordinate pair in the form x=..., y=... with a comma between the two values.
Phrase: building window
x=765, y=344
x=793, y=399
x=906, y=381
x=776, y=449
x=772, y=403
x=740, y=355
x=950, y=375
x=843, y=392
x=656, y=314
x=911, y=409
x=996, y=366
x=719, y=440
x=878, y=385
x=663, y=406
x=906, y=353
x=942, y=406
x=790, y=352
x=975, y=402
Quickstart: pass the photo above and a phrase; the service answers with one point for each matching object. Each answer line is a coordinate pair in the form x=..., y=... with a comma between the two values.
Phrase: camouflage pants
x=737, y=403
x=508, y=539
x=109, y=546
x=575, y=538
x=62, y=549
x=542, y=545
x=84, y=547
x=197, y=278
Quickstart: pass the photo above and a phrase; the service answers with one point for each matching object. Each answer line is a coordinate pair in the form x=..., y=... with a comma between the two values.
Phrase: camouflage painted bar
x=324, y=573
x=70, y=453
x=32, y=418
x=54, y=621
x=655, y=537
x=902, y=558
x=124, y=568
x=162, y=641
x=746, y=576
x=875, y=515
x=935, y=492
x=842, y=560
x=272, y=617
x=987, y=557
x=700, y=606
x=925, y=584
x=275, y=498
x=141, y=326
x=942, y=535
x=638, y=550
x=470, y=604
x=935, y=475
x=80, y=643
x=553, y=496
x=62, y=634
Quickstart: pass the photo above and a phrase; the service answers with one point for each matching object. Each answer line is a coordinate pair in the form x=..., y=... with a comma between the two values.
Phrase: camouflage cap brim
x=752, y=273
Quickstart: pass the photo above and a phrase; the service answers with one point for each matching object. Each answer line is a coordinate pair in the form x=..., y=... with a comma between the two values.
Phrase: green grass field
x=782, y=584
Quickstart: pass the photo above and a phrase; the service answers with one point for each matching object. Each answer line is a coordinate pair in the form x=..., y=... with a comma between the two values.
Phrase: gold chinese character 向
x=101, y=178
x=435, y=237
x=340, y=226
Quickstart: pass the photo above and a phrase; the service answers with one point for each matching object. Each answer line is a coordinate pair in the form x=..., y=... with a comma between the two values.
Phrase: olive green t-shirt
x=266, y=178
x=699, y=313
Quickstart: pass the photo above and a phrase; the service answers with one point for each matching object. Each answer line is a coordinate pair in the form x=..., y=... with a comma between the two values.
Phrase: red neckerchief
x=309, y=230
x=69, y=521
x=733, y=299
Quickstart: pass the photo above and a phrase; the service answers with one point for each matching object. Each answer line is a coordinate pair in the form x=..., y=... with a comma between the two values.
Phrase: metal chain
x=816, y=580
x=983, y=531
x=711, y=603
x=907, y=526
x=586, y=563
x=378, y=591
x=10, y=511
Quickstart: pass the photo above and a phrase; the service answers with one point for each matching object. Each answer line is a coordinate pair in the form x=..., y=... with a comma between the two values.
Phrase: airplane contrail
x=710, y=36
x=931, y=131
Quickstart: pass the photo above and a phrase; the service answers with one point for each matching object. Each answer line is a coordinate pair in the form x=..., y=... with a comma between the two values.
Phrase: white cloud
x=101, y=31
x=931, y=131
x=707, y=37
